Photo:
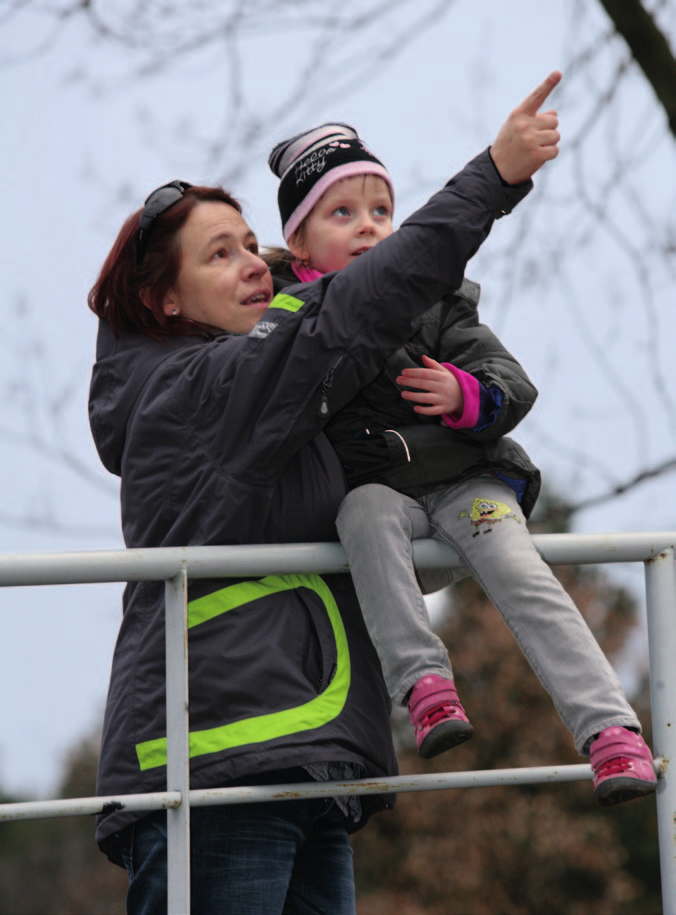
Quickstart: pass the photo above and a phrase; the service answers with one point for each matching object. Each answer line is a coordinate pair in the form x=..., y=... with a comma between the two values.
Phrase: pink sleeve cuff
x=471, y=400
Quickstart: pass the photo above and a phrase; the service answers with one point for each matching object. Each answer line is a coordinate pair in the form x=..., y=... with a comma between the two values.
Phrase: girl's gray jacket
x=380, y=439
x=218, y=440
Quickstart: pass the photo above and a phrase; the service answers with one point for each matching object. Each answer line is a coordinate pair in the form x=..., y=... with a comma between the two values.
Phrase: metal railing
x=174, y=566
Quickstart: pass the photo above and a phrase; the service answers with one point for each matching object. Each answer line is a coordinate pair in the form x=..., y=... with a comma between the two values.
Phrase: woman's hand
x=528, y=138
x=440, y=390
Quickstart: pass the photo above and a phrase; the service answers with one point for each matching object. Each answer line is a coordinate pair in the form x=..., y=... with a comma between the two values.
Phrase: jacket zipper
x=324, y=409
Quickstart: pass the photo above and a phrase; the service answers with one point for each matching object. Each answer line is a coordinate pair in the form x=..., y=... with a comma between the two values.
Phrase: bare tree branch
x=44, y=523
x=650, y=473
x=650, y=50
x=341, y=48
x=62, y=458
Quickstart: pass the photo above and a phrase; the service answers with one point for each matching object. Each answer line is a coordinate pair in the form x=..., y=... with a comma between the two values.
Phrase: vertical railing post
x=661, y=603
x=178, y=762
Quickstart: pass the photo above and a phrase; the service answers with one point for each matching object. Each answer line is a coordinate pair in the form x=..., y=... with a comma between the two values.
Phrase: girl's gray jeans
x=481, y=519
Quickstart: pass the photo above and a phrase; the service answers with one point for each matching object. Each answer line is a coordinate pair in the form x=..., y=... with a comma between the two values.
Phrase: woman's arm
x=319, y=343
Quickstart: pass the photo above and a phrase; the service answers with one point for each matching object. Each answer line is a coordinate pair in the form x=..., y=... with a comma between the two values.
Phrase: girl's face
x=352, y=216
x=222, y=281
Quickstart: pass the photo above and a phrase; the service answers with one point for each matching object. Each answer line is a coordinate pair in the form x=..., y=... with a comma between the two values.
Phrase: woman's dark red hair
x=131, y=298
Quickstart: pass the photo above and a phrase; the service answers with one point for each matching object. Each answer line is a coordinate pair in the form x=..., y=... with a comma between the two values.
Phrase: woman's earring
x=174, y=312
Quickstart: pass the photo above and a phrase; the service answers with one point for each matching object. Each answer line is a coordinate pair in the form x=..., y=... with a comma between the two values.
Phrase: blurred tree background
x=500, y=851
x=53, y=867
x=516, y=850
x=482, y=851
x=596, y=244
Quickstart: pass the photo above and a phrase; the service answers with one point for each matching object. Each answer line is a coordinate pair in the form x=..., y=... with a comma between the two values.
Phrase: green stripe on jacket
x=313, y=714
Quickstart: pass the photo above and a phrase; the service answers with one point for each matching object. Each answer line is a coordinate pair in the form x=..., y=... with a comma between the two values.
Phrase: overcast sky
x=76, y=158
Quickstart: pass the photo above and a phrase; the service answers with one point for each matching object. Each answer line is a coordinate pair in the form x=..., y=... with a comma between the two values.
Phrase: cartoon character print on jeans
x=488, y=512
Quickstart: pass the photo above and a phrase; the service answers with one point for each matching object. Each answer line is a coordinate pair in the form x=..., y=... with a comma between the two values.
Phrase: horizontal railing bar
x=159, y=564
x=487, y=778
x=162, y=563
x=31, y=810
x=86, y=806
x=593, y=549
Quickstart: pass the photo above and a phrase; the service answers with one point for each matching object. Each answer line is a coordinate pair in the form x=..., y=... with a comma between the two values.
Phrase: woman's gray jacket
x=219, y=440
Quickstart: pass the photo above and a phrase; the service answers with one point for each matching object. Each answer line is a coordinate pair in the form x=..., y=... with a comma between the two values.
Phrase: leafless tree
x=611, y=60
x=614, y=49
x=335, y=48
x=631, y=46
x=344, y=46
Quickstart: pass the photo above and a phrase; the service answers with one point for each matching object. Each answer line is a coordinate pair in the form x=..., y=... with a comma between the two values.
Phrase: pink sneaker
x=438, y=717
x=623, y=766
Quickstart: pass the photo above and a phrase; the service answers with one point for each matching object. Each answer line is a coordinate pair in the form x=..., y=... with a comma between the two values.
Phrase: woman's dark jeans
x=282, y=858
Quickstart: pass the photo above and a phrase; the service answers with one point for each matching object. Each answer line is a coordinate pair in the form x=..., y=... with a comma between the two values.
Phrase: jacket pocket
x=319, y=651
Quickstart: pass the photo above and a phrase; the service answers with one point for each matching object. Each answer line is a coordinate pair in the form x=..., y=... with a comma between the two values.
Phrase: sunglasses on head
x=156, y=203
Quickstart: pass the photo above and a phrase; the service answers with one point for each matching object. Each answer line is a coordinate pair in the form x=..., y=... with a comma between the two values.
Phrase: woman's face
x=222, y=281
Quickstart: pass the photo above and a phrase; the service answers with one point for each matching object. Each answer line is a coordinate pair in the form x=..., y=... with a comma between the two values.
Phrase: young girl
x=425, y=453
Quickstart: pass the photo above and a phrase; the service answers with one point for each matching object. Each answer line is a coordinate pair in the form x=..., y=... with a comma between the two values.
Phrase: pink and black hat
x=309, y=163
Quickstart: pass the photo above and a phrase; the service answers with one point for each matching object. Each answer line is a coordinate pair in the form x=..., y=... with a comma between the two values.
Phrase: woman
x=208, y=398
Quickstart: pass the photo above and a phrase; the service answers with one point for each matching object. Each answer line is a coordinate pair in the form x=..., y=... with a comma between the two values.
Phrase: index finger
x=532, y=103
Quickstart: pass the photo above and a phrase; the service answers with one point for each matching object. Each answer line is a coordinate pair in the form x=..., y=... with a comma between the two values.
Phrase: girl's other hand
x=440, y=391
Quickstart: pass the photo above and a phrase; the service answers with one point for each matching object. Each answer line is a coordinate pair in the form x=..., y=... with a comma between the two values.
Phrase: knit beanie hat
x=309, y=163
